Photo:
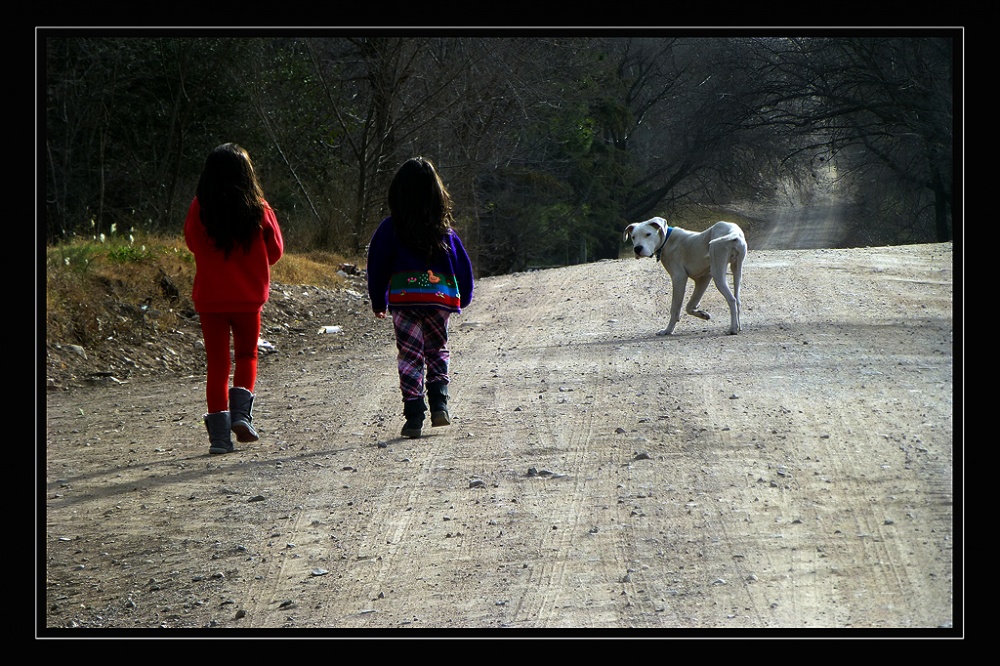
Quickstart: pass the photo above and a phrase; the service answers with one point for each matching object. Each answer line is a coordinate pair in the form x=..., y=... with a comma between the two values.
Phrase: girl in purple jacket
x=419, y=271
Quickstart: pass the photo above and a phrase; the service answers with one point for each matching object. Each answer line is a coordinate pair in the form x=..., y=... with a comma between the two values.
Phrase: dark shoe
x=241, y=408
x=437, y=396
x=413, y=410
x=217, y=424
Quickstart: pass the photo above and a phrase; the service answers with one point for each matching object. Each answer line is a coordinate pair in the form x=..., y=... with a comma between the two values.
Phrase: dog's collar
x=658, y=250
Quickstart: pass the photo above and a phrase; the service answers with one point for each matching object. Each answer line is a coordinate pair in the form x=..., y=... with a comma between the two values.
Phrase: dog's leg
x=737, y=255
x=678, y=284
x=700, y=285
x=737, y=268
x=720, y=259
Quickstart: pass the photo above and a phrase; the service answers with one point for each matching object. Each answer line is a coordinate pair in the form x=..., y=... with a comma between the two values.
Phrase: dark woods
x=548, y=145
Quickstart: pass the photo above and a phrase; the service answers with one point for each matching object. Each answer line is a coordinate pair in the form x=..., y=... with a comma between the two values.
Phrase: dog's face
x=646, y=237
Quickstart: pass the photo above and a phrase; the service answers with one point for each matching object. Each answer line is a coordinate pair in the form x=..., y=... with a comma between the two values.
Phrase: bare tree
x=881, y=107
x=382, y=92
x=120, y=114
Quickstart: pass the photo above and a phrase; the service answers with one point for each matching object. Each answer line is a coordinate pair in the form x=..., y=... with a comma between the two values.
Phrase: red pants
x=215, y=328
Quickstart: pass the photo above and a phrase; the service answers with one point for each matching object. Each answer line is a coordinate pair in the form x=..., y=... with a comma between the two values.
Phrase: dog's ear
x=661, y=224
x=628, y=231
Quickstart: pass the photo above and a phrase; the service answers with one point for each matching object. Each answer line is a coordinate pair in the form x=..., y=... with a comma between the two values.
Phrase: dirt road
x=798, y=476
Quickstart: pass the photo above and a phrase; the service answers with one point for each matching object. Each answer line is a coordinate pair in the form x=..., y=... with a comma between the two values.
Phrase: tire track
x=566, y=560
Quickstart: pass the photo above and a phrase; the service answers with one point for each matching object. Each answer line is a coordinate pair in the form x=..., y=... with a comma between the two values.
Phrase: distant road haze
x=804, y=227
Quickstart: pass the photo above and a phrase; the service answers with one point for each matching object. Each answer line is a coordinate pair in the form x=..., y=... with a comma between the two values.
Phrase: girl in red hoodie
x=235, y=238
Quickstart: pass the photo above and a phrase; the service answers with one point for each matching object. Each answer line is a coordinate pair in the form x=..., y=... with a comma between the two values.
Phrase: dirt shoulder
x=798, y=476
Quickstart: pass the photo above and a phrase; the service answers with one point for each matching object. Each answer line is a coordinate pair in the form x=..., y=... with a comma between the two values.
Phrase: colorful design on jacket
x=424, y=288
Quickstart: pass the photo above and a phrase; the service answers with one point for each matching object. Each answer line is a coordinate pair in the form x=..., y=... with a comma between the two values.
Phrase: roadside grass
x=101, y=290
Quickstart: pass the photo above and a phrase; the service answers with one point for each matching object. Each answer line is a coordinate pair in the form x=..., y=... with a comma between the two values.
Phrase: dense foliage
x=550, y=145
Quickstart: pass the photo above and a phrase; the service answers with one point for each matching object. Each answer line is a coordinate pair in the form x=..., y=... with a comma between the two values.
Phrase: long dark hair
x=230, y=198
x=420, y=207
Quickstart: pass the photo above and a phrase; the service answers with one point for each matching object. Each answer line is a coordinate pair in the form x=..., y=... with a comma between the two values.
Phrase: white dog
x=699, y=256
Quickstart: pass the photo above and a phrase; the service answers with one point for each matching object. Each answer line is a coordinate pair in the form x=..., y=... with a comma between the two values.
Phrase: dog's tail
x=728, y=237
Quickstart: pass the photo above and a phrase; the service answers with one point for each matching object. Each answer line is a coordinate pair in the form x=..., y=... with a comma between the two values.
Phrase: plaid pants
x=422, y=341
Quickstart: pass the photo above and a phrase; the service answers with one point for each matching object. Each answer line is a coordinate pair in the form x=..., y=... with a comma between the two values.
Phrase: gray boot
x=413, y=410
x=437, y=396
x=217, y=424
x=241, y=407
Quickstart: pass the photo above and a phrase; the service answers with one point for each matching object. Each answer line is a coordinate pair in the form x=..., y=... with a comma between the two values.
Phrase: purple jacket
x=398, y=278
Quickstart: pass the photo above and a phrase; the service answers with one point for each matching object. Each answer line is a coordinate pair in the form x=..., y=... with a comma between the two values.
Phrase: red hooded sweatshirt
x=240, y=283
